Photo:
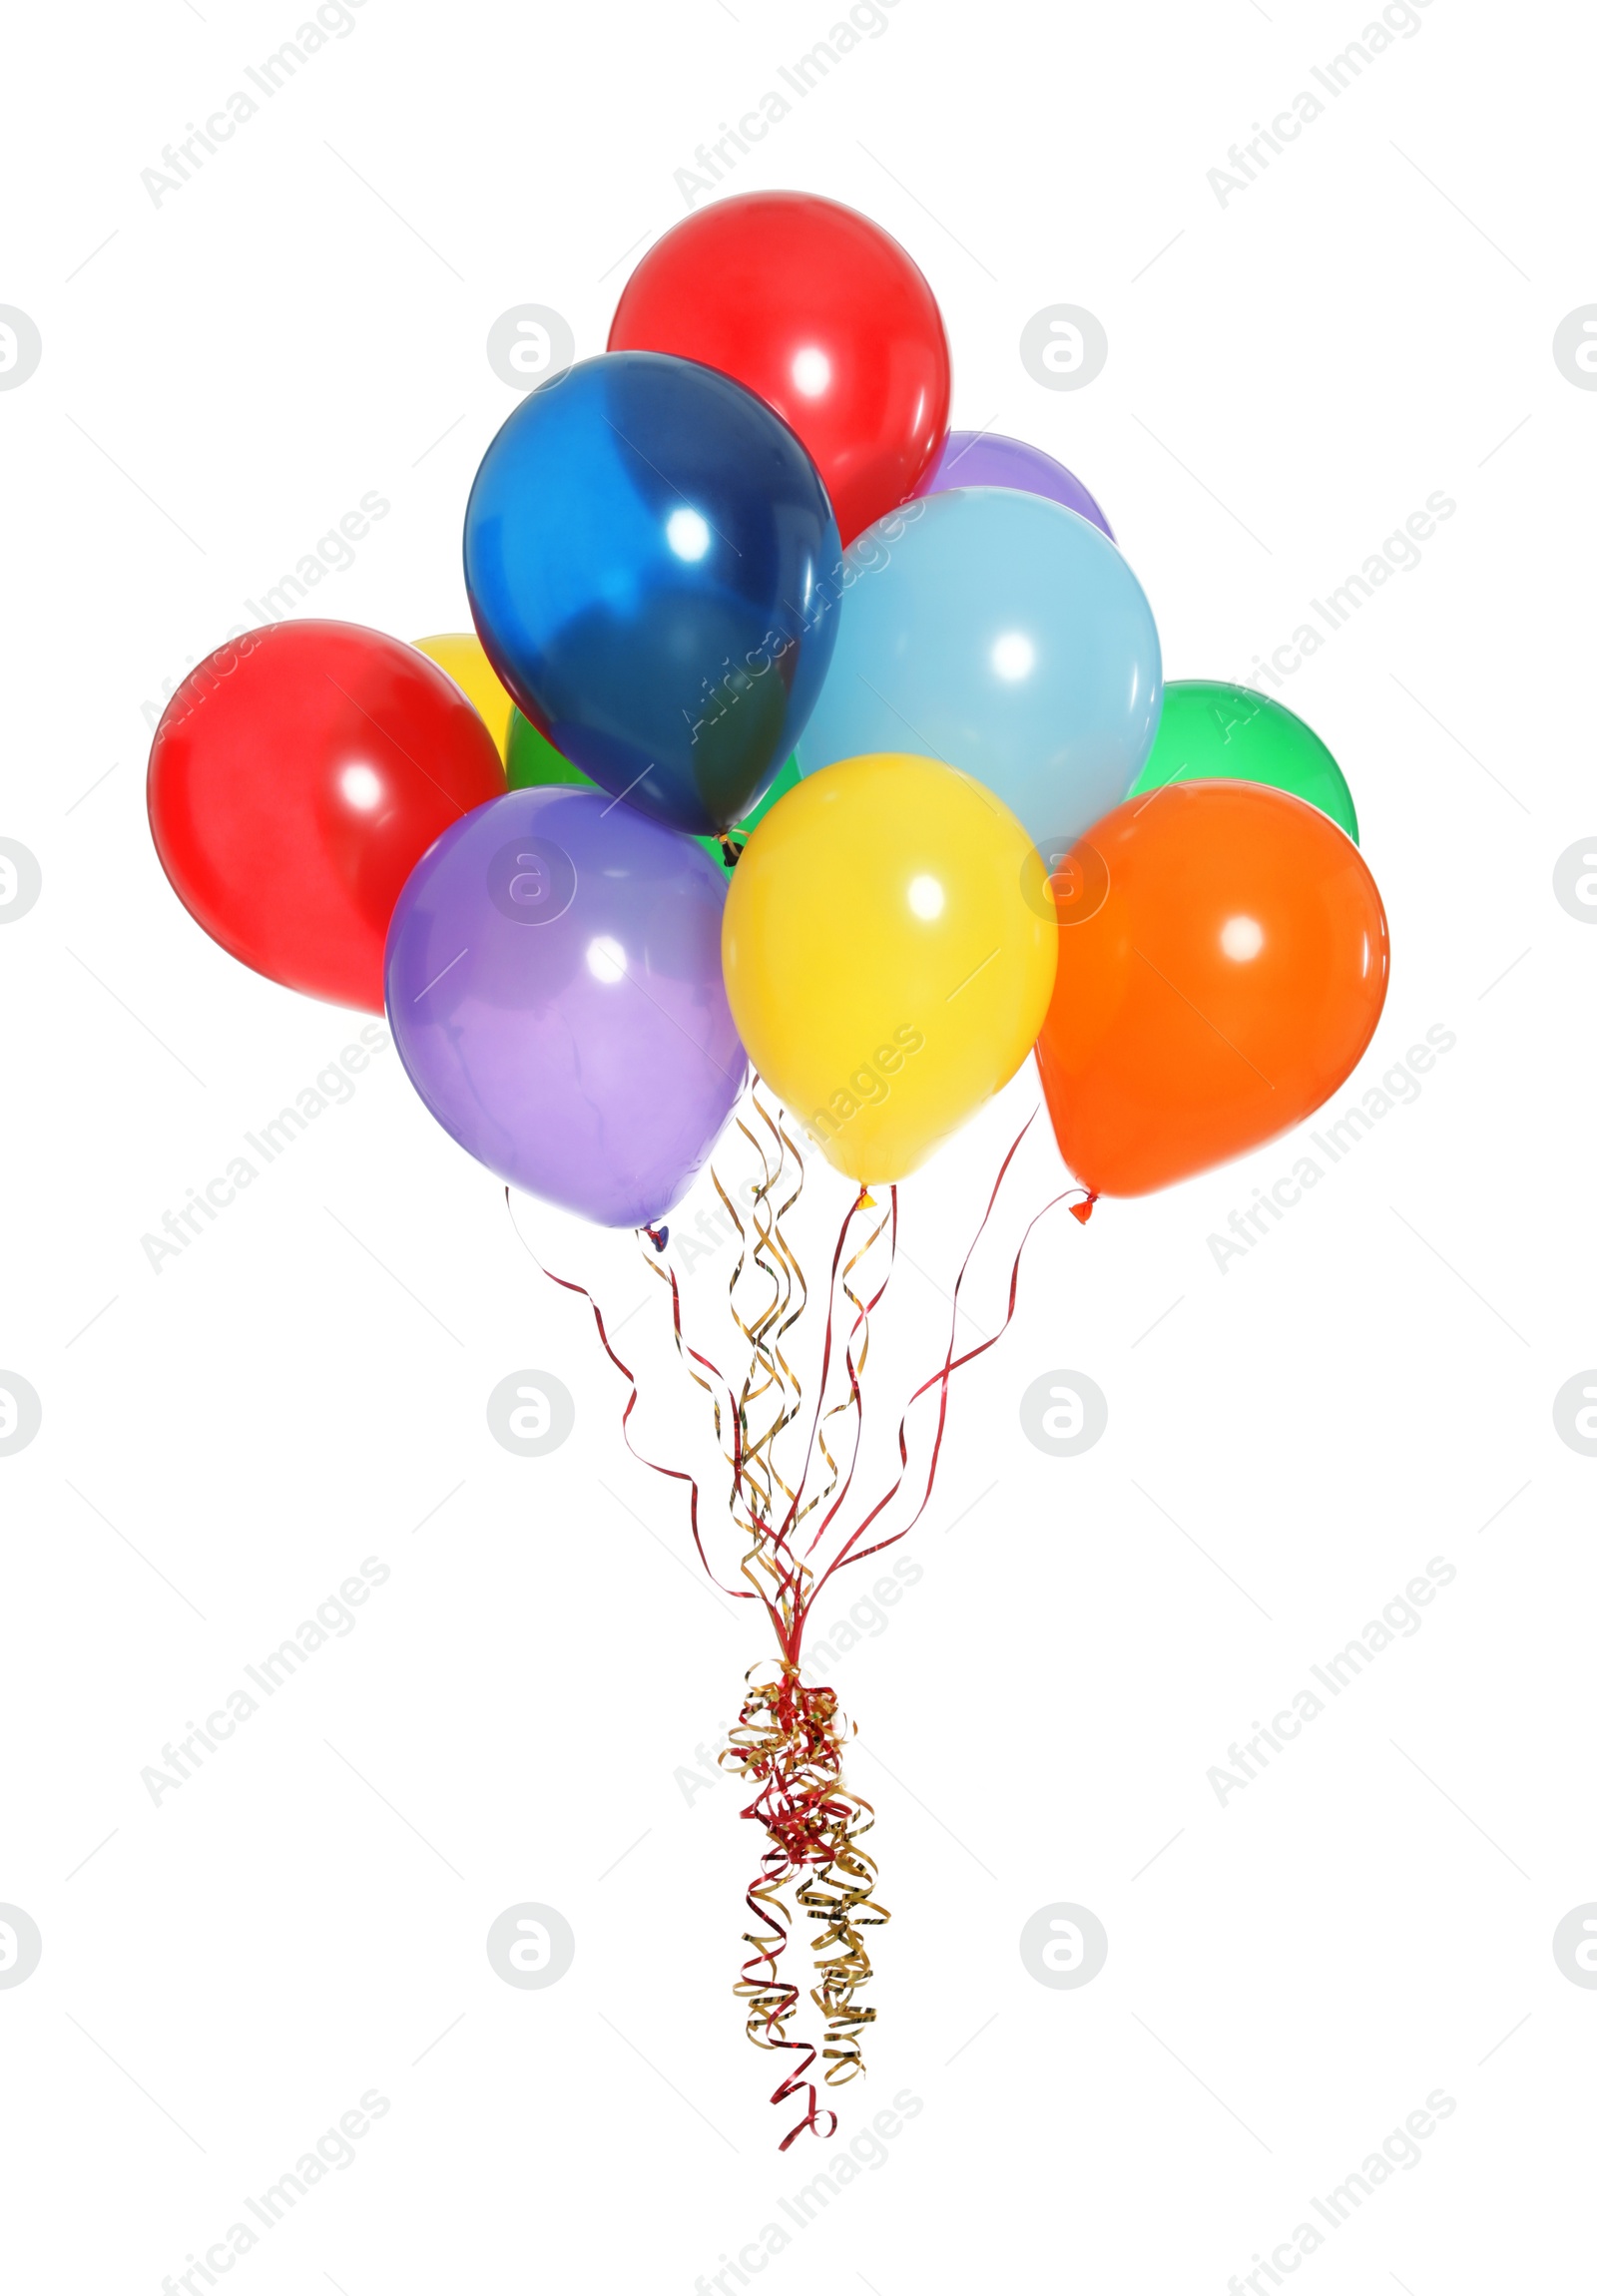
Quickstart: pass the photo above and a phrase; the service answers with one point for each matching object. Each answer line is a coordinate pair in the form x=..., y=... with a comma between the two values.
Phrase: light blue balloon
x=1005, y=635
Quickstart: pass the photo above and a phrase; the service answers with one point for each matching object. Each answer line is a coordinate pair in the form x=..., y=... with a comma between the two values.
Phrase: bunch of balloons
x=795, y=727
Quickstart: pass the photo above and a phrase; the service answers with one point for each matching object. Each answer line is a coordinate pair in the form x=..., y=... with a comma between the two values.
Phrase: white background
x=1288, y=376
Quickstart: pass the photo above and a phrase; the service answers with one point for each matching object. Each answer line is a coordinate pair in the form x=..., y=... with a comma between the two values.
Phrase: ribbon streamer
x=789, y=1742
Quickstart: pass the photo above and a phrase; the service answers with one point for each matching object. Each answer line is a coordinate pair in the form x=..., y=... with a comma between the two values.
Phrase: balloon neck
x=658, y=1235
x=867, y=1201
x=730, y=850
x=1083, y=1211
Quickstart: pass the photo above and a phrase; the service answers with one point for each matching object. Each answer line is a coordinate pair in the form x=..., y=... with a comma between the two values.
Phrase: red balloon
x=296, y=778
x=818, y=312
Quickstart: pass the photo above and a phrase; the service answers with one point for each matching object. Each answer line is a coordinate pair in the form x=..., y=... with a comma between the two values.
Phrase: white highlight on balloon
x=811, y=372
x=607, y=959
x=688, y=533
x=925, y=897
x=363, y=788
x=1242, y=938
x=1013, y=656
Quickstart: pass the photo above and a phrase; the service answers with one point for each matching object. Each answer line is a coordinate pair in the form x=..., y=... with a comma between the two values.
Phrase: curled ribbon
x=789, y=1739
x=788, y=1742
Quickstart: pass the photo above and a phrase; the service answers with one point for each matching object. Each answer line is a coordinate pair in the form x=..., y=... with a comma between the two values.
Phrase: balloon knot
x=867, y=1201
x=730, y=850
x=658, y=1235
x=1083, y=1211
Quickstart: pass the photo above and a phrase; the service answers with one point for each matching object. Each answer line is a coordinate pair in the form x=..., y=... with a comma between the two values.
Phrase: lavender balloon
x=553, y=982
x=986, y=458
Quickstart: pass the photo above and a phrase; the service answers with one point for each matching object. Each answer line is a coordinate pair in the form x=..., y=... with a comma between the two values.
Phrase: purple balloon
x=985, y=458
x=553, y=982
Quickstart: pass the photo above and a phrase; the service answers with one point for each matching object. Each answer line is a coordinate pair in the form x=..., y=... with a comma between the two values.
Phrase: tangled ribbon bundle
x=788, y=1742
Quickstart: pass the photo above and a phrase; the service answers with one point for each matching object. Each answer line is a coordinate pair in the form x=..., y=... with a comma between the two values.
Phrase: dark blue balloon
x=653, y=567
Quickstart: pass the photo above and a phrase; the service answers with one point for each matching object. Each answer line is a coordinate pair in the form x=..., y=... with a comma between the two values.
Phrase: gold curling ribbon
x=789, y=1742
x=789, y=1737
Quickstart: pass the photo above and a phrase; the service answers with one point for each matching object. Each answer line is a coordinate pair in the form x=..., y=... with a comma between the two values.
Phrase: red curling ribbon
x=674, y=1474
x=789, y=1737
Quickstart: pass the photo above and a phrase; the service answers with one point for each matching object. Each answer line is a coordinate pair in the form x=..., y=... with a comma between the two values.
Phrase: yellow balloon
x=889, y=945
x=462, y=658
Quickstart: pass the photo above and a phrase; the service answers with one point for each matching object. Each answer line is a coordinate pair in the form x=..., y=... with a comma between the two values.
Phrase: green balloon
x=532, y=762
x=1211, y=732
x=535, y=764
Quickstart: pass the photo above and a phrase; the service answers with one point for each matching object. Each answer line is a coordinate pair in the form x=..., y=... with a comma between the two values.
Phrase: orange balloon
x=1222, y=962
